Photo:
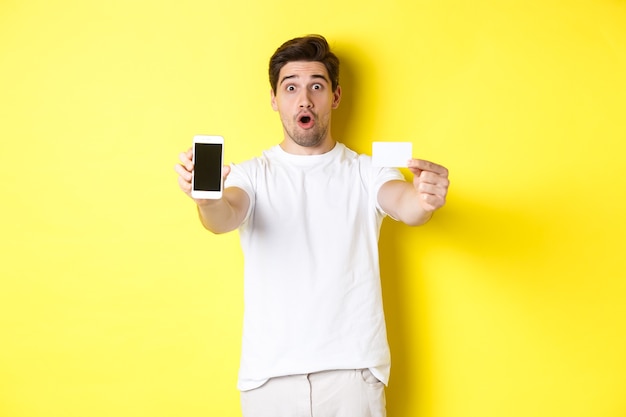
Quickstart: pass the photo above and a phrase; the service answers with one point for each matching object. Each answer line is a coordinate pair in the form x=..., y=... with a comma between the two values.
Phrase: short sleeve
x=379, y=177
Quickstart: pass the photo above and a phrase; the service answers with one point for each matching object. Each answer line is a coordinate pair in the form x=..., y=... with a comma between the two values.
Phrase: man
x=309, y=212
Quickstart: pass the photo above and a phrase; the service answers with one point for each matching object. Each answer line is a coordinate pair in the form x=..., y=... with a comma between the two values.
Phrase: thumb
x=225, y=171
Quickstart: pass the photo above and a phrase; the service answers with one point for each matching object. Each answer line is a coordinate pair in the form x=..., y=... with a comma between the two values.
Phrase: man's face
x=304, y=100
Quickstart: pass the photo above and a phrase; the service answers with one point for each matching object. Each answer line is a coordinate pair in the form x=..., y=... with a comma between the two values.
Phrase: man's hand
x=184, y=170
x=431, y=183
x=218, y=216
x=414, y=203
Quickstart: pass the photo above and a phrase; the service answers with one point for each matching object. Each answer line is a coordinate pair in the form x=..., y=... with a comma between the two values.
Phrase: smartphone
x=208, y=155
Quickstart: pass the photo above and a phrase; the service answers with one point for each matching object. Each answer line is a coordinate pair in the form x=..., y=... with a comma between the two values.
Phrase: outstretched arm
x=217, y=216
x=413, y=203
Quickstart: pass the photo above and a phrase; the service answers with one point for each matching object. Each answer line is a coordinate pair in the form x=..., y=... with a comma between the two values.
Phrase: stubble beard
x=308, y=138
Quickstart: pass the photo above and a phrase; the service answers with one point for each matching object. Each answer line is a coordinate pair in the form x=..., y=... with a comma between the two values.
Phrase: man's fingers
x=184, y=185
x=432, y=202
x=423, y=165
x=186, y=160
x=428, y=188
x=433, y=178
x=182, y=172
x=431, y=181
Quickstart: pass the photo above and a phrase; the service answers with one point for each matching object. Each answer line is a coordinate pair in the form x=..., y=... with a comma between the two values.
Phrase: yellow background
x=115, y=302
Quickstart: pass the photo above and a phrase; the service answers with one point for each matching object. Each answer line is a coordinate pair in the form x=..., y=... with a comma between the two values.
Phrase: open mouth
x=306, y=121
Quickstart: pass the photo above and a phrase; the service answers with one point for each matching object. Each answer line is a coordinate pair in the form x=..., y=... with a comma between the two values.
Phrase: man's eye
x=317, y=86
x=291, y=88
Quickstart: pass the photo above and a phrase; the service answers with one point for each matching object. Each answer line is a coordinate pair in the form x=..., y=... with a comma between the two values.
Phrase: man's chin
x=308, y=140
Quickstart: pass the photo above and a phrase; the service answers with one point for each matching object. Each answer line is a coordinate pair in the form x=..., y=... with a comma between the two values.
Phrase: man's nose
x=304, y=101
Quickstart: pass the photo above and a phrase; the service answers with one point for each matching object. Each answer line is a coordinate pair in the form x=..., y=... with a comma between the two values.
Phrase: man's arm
x=413, y=203
x=217, y=216
x=227, y=213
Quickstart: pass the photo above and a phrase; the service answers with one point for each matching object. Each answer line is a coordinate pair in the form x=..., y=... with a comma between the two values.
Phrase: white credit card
x=391, y=154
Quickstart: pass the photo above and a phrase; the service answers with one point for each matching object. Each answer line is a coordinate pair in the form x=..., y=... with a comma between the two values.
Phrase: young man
x=309, y=212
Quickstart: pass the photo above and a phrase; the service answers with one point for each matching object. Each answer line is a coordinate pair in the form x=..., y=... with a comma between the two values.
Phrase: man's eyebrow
x=287, y=77
x=323, y=77
x=314, y=76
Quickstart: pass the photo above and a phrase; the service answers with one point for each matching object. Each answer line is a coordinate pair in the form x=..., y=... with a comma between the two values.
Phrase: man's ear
x=273, y=96
x=336, y=97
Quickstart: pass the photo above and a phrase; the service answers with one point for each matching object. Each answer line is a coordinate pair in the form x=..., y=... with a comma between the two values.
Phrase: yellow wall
x=115, y=302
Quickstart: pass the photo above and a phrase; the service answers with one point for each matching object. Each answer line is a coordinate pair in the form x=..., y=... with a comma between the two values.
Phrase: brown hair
x=306, y=48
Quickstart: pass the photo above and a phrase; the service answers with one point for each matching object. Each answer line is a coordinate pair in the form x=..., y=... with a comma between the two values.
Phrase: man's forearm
x=226, y=214
x=410, y=211
x=401, y=201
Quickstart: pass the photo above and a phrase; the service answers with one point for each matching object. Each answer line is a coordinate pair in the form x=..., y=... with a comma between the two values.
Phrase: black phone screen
x=207, y=167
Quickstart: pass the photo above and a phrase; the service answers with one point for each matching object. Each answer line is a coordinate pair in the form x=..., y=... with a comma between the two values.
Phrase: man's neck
x=291, y=147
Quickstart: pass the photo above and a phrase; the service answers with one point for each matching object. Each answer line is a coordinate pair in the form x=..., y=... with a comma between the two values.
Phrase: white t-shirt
x=312, y=294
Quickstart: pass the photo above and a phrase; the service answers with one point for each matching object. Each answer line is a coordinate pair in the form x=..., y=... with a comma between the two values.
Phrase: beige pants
x=343, y=393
